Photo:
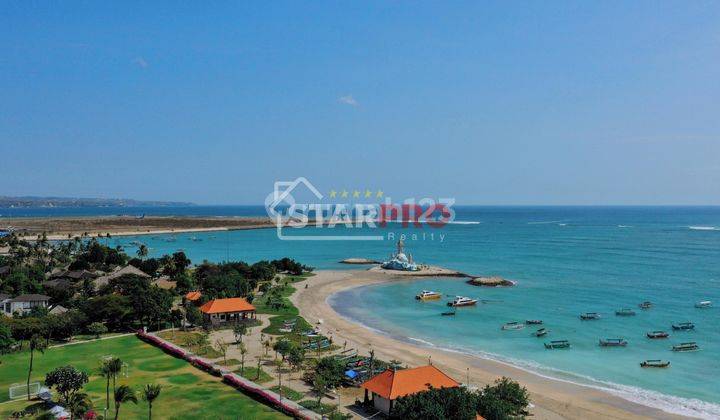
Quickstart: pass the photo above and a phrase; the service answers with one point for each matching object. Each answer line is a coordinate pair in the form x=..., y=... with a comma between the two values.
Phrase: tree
x=36, y=343
x=243, y=352
x=150, y=394
x=222, y=347
x=97, y=328
x=331, y=370
x=296, y=356
x=239, y=331
x=320, y=386
x=505, y=399
x=437, y=404
x=142, y=251
x=6, y=340
x=123, y=395
x=78, y=404
x=283, y=347
x=66, y=380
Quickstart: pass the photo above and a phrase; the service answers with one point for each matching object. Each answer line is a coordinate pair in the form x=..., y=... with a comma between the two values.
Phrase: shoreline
x=552, y=398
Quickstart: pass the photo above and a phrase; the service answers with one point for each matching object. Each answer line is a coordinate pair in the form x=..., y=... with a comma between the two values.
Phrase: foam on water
x=702, y=228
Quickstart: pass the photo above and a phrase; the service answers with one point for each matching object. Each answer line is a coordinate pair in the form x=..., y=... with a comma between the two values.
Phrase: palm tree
x=122, y=395
x=37, y=342
x=115, y=366
x=78, y=404
x=142, y=251
x=150, y=393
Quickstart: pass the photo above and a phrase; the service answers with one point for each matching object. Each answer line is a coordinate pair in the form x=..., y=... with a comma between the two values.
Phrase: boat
x=462, y=301
x=683, y=326
x=428, y=295
x=589, y=316
x=541, y=332
x=689, y=346
x=656, y=363
x=534, y=322
x=513, y=326
x=658, y=334
x=646, y=305
x=557, y=344
x=703, y=304
x=625, y=312
x=613, y=342
x=449, y=313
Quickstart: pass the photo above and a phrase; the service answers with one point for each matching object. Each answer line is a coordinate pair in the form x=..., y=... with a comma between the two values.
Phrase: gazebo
x=232, y=310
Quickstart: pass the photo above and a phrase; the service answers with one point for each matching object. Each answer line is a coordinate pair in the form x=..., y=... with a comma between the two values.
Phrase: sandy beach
x=552, y=399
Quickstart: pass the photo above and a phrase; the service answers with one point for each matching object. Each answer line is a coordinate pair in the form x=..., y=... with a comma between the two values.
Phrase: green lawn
x=288, y=393
x=251, y=372
x=187, y=392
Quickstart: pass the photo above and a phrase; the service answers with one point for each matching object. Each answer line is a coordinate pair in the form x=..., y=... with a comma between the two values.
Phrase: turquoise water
x=566, y=261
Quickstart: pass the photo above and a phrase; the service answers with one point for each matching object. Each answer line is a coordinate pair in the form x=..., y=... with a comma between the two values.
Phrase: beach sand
x=552, y=399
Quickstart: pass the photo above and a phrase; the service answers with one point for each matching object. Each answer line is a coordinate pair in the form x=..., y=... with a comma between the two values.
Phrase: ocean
x=566, y=261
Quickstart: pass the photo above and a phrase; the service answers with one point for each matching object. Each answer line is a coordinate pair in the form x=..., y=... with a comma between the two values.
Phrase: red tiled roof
x=193, y=295
x=394, y=384
x=226, y=305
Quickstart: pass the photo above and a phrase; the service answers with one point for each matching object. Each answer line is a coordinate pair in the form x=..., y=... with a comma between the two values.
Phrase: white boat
x=462, y=301
x=428, y=295
x=703, y=304
x=513, y=326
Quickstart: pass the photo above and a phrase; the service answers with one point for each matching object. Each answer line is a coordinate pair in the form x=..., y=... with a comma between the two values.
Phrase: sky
x=485, y=102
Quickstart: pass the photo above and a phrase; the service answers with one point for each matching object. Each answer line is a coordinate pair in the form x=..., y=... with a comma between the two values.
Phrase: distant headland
x=32, y=201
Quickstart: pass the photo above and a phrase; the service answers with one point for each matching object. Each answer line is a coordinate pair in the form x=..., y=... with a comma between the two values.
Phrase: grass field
x=187, y=393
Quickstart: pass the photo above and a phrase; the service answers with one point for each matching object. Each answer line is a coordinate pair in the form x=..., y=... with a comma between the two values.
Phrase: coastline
x=552, y=399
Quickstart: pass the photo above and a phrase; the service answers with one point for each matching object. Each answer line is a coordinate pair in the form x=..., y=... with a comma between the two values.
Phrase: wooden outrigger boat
x=557, y=344
x=541, y=332
x=428, y=295
x=534, y=322
x=513, y=326
x=703, y=304
x=657, y=334
x=625, y=312
x=683, y=326
x=645, y=305
x=656, y=363
x=689, y=346
x=462, y=301
x=587, y=316
x=613, y=342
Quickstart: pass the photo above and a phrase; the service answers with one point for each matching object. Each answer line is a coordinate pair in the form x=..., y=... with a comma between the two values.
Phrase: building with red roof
x=390, y=385
x=220, y=311
x=193, y=296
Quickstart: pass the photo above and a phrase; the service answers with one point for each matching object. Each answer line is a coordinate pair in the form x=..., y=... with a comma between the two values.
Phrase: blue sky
x=488, y=102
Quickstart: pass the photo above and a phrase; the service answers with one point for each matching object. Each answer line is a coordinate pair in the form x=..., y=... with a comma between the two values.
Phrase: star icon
x=356, y=194
x=333, y=194
x=379, y=194
x=368, y=193
x=344, y=194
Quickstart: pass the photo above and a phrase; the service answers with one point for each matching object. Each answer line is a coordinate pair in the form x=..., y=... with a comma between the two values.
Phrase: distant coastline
x=8, y=202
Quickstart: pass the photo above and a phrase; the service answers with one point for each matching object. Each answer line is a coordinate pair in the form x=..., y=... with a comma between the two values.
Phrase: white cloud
x=348, y=100
x=140, y=62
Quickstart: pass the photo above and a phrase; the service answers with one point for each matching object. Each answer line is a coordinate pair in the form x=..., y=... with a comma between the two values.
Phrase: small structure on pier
x=400, y=261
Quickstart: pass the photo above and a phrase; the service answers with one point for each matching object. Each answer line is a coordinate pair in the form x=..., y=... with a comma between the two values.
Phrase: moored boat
x=541, y=332
x=657, y=363
x=689, y=346
x=428, y=295
x=625, y=312
x=462, y=301
x=513, y=326
x=587, y=316
x=557, y=344
x=657, y=334
x=646, y=305
x=613, y=342
x=683, y=326
x=703, y=304
x=534, y=322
